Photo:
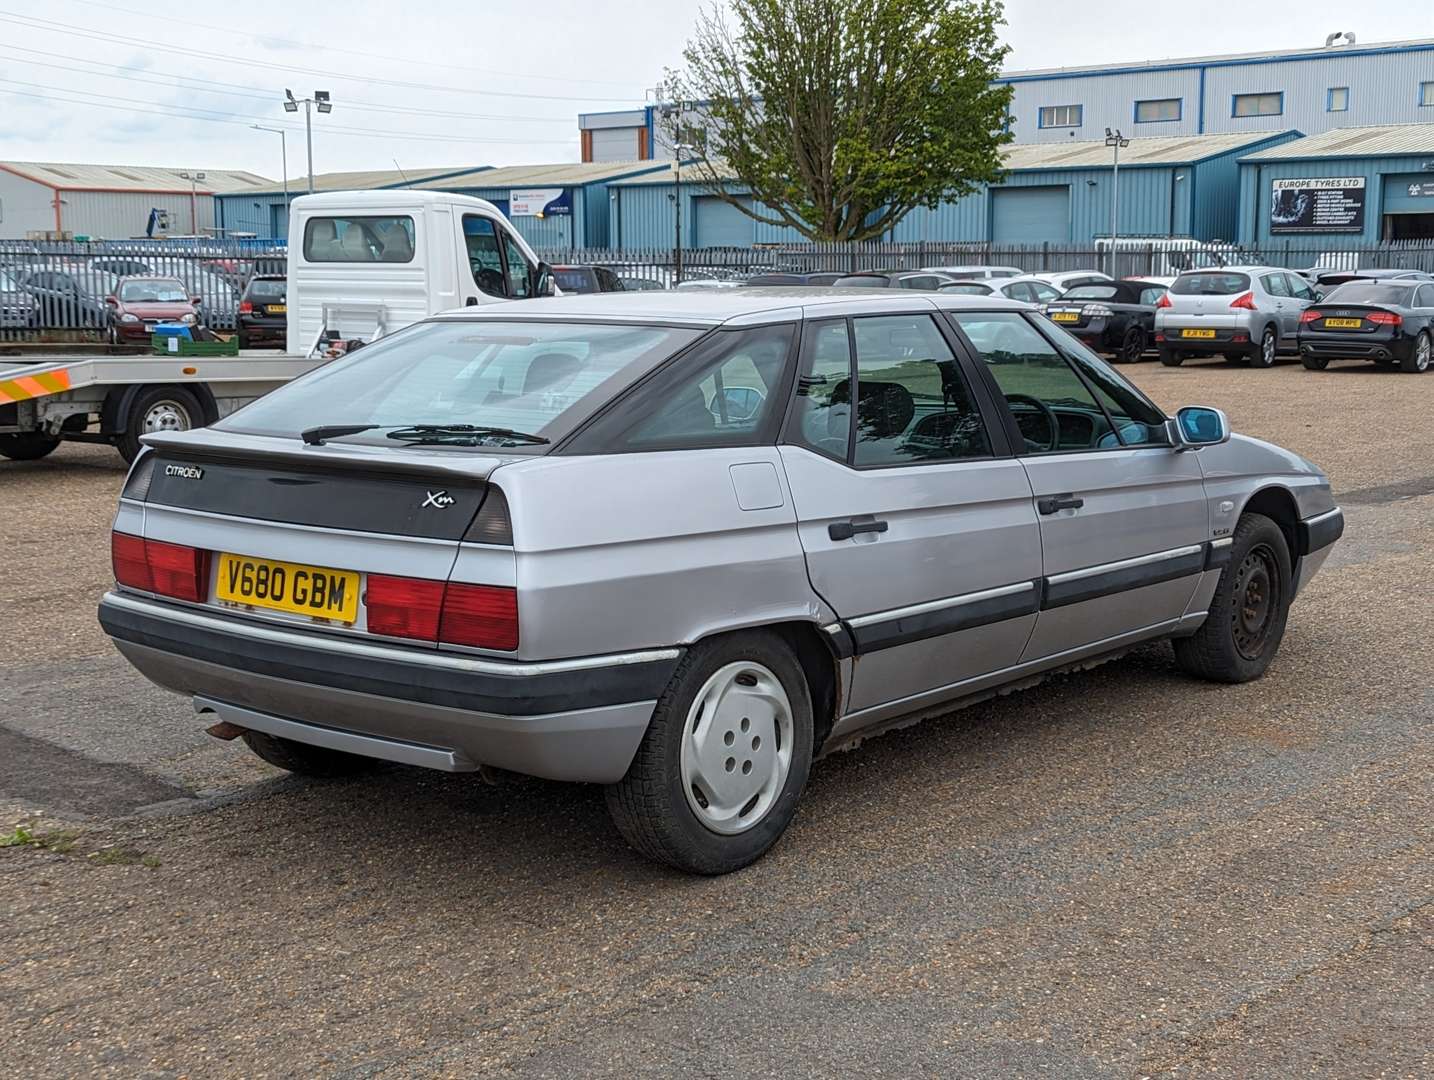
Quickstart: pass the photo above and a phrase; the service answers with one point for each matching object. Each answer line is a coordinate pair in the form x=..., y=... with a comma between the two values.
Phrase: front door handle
x=845, y=530
x=1052, y=504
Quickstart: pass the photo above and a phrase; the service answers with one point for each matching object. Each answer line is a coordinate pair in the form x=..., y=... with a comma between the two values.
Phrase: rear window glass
x=575, y=281
x=540, y=378
x=1370, y=292
x=1092, y=292
x=862, y=281
x=358, y=239
x=1210, y=284
x=267, y=290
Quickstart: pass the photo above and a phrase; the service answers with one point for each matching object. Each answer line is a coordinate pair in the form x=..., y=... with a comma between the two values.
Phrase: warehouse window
x=1055, y=116
x=1426, y=93
x=1338, y=99
x=1259, y=104
x=1155, y=112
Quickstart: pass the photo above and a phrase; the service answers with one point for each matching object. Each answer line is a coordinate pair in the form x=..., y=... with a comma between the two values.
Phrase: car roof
x=716, y=306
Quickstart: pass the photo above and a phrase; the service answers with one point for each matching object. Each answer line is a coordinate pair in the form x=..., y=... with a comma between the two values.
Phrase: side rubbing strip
x=885, y=630
x=1097, y=581
x=1217, y=553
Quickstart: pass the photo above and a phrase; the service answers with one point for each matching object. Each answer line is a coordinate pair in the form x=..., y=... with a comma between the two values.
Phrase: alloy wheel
x=1421, y=353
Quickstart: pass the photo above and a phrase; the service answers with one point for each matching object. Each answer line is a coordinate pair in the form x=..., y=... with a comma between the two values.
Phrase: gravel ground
x=1119, y=873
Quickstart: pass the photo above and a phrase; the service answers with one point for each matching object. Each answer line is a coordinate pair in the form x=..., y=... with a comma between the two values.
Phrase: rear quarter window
x=1210, y=284
x=358, y=239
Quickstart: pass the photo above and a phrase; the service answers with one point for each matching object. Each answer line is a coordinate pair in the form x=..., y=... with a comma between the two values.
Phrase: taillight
x=403, y=607
x=1309, y=315
x=1245, y=301
x=1164, y=301
x=492, y=525
x=246, y=307
x=175, y=570
x=1096, y=311
x=1385, y=318
x=484, y=616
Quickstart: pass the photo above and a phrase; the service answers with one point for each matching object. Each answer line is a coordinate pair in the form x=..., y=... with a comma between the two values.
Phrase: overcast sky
x=474, y=82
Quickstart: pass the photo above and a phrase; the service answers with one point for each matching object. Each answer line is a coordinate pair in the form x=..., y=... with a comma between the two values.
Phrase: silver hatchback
x=1243, y=312
x=682, y=544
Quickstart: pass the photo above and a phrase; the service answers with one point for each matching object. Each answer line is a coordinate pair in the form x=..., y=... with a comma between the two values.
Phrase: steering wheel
x=1045, y=410
x=489, y=281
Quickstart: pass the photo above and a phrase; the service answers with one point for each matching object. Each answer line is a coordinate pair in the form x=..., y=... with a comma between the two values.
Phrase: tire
x=1418, y=360
x=243, y=339
x=28, y=445
x=1314, y=363
x=1234, y=645
x=665, y=806
x=160, y=408
x=1171, y=358
x=1263, y=355
x=1236, y=358
x=303, y=759
x=1132, y=347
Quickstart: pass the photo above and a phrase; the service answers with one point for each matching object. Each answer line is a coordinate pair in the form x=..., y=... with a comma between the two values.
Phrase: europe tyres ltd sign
x=1318, y=205
x=539, y=202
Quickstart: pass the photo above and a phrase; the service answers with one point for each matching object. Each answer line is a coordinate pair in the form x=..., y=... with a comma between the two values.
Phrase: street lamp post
x=319, y=99
x=283, y=156
x=1115, y=140
x=193, y=179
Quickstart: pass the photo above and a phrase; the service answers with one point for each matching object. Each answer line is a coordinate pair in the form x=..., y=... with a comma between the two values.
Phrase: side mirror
x=1199, y=425
x=543, y=283
x=196, y=300
x=112, y=301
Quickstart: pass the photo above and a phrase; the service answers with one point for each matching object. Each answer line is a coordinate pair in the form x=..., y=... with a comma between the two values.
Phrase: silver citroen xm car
x=681, y=544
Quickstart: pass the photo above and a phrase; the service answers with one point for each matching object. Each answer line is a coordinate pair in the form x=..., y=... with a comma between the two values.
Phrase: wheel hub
x=165, y=416
x=736, y=747
x=1256, y=595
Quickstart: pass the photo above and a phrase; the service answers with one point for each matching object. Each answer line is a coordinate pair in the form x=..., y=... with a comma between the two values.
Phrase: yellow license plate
x=1065, y=316
x=277, y=309
x=284, y=586
x=1344, y=324
x=1197, y=333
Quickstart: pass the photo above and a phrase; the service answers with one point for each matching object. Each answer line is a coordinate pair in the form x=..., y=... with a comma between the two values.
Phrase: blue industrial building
x=1057, y=194
x=1346, y=186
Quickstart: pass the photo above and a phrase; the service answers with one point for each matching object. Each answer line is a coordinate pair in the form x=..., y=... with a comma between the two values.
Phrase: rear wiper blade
x=315, y=436
x=442, y=432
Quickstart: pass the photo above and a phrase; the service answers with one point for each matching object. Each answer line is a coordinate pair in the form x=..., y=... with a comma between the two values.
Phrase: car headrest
x=546, y=370
x=884, y=410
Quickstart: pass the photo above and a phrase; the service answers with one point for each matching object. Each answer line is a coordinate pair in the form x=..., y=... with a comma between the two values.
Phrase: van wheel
x=725, y=758
x=1314, y=363
x=1417, y=361
x=1242, y=633
x=1265, y=352
x=1171, y=358
x=303, y=759
x=162, y=408
x=27, y=446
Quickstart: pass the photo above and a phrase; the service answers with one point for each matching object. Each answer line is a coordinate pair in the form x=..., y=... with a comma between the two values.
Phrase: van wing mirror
x=1199, y=425
x=543, y=283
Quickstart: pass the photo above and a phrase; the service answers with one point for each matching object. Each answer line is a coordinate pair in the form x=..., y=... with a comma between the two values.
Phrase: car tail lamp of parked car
x=246, y=307
x=1096, y=311
x=1385, y=318
x=167, y=569
x=1164, y=301
x=1245, y=301
x=1309, y=315
x=481, y=616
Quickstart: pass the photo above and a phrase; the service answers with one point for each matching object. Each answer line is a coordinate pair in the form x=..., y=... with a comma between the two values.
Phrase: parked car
x=1069, y=279
x=70, y=296
x=1241, y=312
x=1113, y=317
x=544, y=537
x=218, y=302
x=123, y=267
x=1329, y=279
x=263, y=317
x=632, y=283
x=892, y=279
x=974, y=272
x=1388, y=321
x=586, y=279
x=821, y=277
x=1030, y=290
x=19, y=310
x=139, y=304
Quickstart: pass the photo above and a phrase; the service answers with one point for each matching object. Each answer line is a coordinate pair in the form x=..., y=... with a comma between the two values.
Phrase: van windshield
x=538, y=377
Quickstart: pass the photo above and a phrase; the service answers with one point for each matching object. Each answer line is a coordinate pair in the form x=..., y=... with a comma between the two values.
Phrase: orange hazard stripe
x=32, y=386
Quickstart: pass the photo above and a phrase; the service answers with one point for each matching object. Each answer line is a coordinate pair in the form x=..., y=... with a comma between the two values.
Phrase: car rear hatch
x=1346, y=319
x=353, y=539
x=1205, y=299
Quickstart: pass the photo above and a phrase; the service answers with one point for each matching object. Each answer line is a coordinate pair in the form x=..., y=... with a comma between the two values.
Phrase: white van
x=363, y=264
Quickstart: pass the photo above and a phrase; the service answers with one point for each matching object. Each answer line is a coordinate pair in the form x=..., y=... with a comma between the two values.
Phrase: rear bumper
x=564, y=720
x=1363, y=346
x=1232, y=339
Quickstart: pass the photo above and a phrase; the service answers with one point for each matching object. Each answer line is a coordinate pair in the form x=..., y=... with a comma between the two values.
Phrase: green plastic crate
x=195, y=348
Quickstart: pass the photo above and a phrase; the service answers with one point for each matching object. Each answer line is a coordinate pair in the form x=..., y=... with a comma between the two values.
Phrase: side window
x=1021, y=290
x=1137, y=422
x=1275, y=284
x=486, y=264
x=822, y=414
x=1044, y=293
x=912, y=405
x=1152, y=295
x=358, y=239
x=1298, y=289
x=1051, y=405
x=728, y=393
x=1424, y=298
x=520, y=278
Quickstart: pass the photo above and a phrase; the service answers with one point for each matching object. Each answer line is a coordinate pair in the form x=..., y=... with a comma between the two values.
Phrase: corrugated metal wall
x=1255, y=188
x=123, y=214
x=262, y=215
x=25, y=207
x=1106, y=101
x=1215, y=191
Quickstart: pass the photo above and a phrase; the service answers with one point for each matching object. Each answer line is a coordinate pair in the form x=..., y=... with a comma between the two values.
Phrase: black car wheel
x=1171, y=358
x=1265, y=352
x=306, y=760
x=1313, y=362
x=27, y=446
x=1133, y=347
x=1417, y=362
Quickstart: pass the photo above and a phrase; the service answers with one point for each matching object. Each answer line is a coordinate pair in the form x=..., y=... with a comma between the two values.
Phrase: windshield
x=1210, y=284
x=537, y=377
x=153, y=292
x=1370, y=292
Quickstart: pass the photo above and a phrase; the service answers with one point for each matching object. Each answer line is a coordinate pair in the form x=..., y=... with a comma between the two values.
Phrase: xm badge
x=439, y=500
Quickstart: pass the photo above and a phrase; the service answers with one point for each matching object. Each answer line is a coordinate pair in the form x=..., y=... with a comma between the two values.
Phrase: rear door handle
x=845, y=530
x=1052, y=504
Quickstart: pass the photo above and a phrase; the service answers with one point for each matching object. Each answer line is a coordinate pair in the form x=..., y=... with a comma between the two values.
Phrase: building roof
x=1312, y=52
x=362, y=180
x=1384, y=140
x=567, y=174
x=693, y=172
x=66, y=176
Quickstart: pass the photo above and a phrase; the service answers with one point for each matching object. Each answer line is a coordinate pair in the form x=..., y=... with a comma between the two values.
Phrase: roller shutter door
x=615, y=144
x=1031, y=215
x=718, y=224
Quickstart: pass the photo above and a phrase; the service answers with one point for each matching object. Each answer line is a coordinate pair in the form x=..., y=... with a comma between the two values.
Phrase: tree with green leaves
x=840, y=117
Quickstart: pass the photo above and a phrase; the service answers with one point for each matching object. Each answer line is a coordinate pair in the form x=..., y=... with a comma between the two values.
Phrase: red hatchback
x=138, y=304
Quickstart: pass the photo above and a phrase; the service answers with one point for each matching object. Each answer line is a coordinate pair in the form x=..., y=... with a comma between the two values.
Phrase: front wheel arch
x=1277, y=504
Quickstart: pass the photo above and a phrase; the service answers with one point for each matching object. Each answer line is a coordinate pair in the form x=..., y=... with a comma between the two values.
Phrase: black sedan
x=893, y=279
x=1114, y=317
x=1388, y=322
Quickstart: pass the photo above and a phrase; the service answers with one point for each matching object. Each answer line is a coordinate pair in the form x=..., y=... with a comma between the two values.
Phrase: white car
x=1069, y=279
x=1032, y=290
x=969, y=272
